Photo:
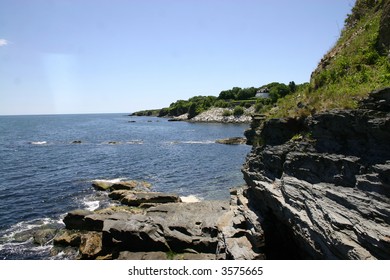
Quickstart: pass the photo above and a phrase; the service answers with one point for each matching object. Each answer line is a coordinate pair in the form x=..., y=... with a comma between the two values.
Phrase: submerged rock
x=117, y=184
x=44, y=235
x=232, y=141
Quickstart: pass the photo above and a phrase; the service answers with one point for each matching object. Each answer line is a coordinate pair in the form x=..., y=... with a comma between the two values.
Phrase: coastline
x=212, y=115
x=149, y=225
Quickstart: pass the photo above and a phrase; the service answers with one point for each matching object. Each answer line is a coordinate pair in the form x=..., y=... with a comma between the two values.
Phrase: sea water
x=47, y=164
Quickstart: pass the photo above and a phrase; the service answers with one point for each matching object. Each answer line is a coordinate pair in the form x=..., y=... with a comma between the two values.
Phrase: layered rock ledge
x=150, y=225
x=321, y=185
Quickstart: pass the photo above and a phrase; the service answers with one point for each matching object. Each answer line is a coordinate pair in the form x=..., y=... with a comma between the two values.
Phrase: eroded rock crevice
x=321, y=184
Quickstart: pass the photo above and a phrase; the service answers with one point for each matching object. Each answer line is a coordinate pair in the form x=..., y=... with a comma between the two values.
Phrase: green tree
x=229, y=94
x=292, y=86
x=246, y=93
x=192, y=110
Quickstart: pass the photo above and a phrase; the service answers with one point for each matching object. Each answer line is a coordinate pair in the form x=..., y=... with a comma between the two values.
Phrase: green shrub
x=238, y=111
x=226, y=113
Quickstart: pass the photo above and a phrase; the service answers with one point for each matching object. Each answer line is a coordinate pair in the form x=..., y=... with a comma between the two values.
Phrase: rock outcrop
x=232, y=141
x=321, y=186
x=159, y=226
x=218, y=115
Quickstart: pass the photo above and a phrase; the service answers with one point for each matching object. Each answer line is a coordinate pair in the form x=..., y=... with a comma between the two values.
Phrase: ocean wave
x=130, y=142
x=135, y=142
x=92, y=205
x=110, y=181
x=38, y=143
x=200, y=142
x=190, y=199
x=25, y=226
x=19, y=240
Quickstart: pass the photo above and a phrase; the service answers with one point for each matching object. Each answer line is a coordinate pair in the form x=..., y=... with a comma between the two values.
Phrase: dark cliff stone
x=199, y=230
x=321, y=185
x=279, y=131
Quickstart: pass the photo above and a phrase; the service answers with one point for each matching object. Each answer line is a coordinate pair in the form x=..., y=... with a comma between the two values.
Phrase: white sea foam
x=92, y=205
x=38, y=143
x=25, y=226
x=199, y=142
x=189, y=199
x=109, y=181
x=135, y=142
x=205, y=142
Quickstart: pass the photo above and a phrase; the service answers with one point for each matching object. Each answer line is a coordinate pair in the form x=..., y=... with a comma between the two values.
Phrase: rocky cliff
x=321, y=185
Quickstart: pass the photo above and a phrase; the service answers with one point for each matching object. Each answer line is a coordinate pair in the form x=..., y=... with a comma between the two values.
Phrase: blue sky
x=107, y=56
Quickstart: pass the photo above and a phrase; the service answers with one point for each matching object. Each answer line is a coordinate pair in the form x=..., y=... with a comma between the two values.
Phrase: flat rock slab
x=191, y=217
x=111, y=185
x=232, y=141
x=137, y=198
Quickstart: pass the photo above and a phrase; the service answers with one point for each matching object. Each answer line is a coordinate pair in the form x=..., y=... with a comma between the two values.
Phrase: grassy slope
x=347, y=73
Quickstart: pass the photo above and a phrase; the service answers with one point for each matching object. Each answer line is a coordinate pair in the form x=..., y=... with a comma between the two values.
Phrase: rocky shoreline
x=213, y=115
x=317, y=188
x=321, y=184
x=150, y=225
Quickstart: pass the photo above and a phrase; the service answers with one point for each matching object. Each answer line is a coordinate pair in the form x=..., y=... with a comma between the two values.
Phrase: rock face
x=131, y=198
x=321, y=185
x=216, y=115
x=166, y=229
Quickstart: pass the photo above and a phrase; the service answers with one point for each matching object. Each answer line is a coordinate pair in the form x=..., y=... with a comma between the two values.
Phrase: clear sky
x=102, y=56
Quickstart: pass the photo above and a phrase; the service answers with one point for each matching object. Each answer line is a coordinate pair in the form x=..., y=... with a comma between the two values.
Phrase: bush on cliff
x=358, y=64
x=238, y=111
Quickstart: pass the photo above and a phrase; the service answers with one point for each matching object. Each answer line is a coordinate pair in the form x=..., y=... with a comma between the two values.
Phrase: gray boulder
x=138, y=233
x=137, y=198
x=232, y=141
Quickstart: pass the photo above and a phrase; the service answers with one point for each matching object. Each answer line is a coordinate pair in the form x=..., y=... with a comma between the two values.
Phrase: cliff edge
x=321, y=184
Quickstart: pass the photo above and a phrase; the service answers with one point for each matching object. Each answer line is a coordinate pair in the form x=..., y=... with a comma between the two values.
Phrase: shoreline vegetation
x=236, y=105
x=358, y=64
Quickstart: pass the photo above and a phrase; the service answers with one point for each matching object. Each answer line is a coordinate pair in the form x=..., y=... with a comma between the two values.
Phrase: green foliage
x=262, y=105
x=354, y=67
x=227, y=113
x=147, y=113
x=239, y=97
x=193, y=106
x=246, y=93
x=179, y=107
x=278, y=90
x=292, y=87
x=238, y=111
x=361, y=8
x=163, y=112
x=222, y=104
x=229, y=94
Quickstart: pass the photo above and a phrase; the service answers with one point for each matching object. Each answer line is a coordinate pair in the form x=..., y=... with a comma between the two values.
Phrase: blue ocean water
x=43, y=174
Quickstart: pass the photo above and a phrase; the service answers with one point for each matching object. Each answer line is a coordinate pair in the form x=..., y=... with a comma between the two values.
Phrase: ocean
x=47, y=165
